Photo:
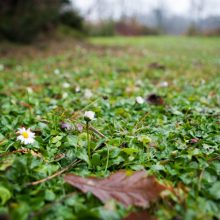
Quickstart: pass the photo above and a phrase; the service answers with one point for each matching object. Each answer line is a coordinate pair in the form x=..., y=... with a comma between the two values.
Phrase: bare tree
x=197, y=8
x=159, y=13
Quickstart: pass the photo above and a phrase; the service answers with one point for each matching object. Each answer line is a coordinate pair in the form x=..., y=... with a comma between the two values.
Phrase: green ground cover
x=177, y=142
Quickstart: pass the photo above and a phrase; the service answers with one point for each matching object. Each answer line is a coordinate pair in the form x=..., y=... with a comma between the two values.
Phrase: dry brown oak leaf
x=128, y=188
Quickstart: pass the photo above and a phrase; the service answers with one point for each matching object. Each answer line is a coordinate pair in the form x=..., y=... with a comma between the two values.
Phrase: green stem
x=148, y=153
x=88, y=140
x=106, y=166
x=29, y=103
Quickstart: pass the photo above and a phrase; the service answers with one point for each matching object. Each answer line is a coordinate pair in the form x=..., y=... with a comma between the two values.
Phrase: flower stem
x=88, y=140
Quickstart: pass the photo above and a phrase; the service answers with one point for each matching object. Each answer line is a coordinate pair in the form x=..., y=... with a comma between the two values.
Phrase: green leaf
x=82, y=154
x=56, y=139
x=129, y=150
x=5, y=194
x=215, y=190
x=6, y=162
x=49, y=195
x=95, y=159
x=72, y=140
x=144, y=139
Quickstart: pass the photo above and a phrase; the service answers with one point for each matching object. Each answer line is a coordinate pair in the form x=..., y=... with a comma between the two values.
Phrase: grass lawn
x=175, y=139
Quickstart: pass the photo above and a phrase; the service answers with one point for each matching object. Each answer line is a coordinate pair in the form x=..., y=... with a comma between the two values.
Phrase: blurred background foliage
x=24, y=20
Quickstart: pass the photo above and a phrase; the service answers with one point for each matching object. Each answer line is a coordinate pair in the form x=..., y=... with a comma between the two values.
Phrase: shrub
x=23, y=20
x=212, y=32
x=134, y=28
x=104, y=28
x=72, y=19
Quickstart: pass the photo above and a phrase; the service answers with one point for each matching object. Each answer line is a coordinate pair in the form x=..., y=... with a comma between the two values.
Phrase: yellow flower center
x=25, y=134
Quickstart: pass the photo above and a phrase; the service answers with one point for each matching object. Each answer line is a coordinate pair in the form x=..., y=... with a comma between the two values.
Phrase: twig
x=23, y=151
x=91, y=128
x=54, y=175
x=15, y=151
x=97, y=132
x=215, y=158
x=12, y=152
x=89, y=104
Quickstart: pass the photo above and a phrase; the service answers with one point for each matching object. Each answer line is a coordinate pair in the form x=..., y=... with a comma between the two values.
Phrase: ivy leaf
x=6, y=162
x=215, y=190
x=144, y=139
x=5, y=195
x=129, y=150
x=136, y=188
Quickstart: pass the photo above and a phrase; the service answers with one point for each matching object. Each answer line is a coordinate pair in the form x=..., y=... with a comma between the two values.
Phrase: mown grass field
x=177, y=142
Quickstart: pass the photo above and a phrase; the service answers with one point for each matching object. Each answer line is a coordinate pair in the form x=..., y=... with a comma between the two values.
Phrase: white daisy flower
x=65, y=95
x=25, y=136
x=29, y=90
x=164, y=84
x=77, y=89
x=66, y=85
x=88, y=94
x=139, y=100
x=2, y=67
x=56, y=71
x=89, y=115
x=139, y=83
x=202, y=81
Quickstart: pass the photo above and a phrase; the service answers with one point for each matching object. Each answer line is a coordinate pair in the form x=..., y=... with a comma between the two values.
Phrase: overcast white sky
x=178, y=7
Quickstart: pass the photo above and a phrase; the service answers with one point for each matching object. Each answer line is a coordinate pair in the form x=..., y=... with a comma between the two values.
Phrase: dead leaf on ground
x=142, y=215
x=155, y=99
x=156, y=65
x=35, y=154
x=24, y=104
x=194, y=140
x=59, y=157
x=136, y=188
x=197, y=64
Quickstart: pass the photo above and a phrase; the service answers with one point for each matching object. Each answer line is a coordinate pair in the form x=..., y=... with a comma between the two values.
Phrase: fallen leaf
x=194, y=140
x=156, y=65
x=129, y=189
x=59, y=156
x=142, y=215
x=155, y=99
x=35, y=154
x=26, y=105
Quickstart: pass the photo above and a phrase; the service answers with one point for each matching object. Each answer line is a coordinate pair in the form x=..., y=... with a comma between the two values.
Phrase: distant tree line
x=139, y=17
x=23, y=20
x=124, y=27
